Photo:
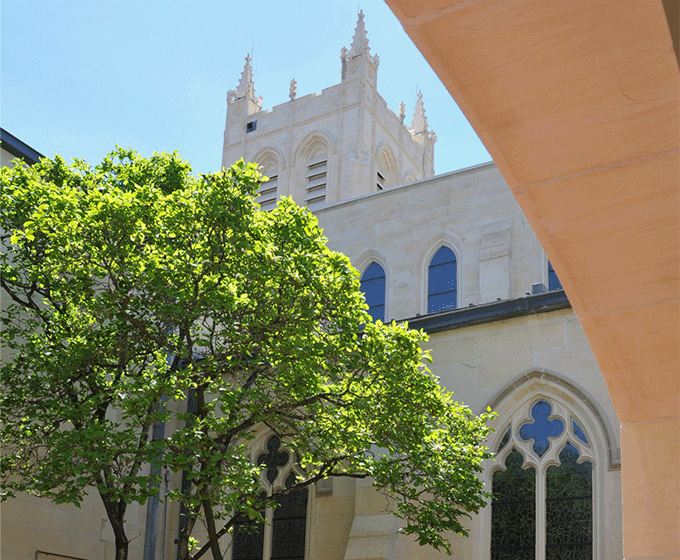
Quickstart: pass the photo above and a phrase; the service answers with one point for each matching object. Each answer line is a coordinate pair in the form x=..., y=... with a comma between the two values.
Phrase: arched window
x=542, y=506
x=442, y=284
x=373, y=286
x=553, y=281
x=283, y=536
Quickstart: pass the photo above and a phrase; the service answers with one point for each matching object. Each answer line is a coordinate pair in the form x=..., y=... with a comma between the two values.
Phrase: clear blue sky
x=80, y=76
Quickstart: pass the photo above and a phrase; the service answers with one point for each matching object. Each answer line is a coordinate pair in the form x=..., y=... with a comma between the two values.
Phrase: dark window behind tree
x=513, y=511
x=286, y=524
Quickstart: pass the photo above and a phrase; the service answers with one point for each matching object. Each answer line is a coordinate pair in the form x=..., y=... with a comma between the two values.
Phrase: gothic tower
x=327, y=148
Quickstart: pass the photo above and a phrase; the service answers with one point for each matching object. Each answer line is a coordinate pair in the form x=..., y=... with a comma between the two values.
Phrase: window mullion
x=268, y=528
x=540, y=513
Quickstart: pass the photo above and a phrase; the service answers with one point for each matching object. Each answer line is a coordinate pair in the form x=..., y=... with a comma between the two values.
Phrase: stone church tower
x=327, y=148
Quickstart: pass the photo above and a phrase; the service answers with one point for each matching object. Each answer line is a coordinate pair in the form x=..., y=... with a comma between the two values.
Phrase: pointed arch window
x=542, y=506
x=442, y=281
x=283, y=536
x=553, y=281
x=373, y=285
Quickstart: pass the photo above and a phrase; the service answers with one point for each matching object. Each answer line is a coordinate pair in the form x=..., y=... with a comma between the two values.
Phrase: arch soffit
x=369, y=256
x=532, y=384
x=447, y=239
x=385, y=154
x=314, y=141
x=269, y=155
x=409, y=177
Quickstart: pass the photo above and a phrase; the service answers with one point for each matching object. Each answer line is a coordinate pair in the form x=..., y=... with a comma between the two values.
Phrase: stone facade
x=507, y=344
x=487, y=355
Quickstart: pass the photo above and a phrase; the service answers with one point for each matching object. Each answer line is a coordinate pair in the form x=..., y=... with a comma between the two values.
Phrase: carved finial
x=246, y=86
x=402, y=112
x=293, y=89
x=419, y=122
x=360, y=53
x=360, y=40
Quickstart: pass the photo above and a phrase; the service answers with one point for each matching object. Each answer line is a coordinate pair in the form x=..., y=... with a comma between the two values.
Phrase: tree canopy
x=130, y=285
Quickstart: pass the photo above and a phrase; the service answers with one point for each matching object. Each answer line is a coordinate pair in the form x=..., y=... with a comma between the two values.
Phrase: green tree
x=110, y=270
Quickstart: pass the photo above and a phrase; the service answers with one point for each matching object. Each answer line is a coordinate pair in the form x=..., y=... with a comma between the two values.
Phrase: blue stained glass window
x=578, y=432
x=442, y=284
x=569, y=508
x=553, y=280
x=373, y=286
x=513, y=511
x=541, y=428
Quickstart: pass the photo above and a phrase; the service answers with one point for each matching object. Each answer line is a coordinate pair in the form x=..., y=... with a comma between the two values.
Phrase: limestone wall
x=471, y=211
x=354, y=122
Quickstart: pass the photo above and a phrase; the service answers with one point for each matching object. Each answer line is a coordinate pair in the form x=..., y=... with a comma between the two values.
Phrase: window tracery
x=542, y=486
x=283, y=536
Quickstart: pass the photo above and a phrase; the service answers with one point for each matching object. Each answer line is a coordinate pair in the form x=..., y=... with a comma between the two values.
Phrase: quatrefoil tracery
x=541, y=428
x=279, y=465
x=274, y=459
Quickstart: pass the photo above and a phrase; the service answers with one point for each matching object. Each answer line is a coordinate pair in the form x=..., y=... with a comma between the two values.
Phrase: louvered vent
x=315, y=196
x=380, y=181
x=268, y=192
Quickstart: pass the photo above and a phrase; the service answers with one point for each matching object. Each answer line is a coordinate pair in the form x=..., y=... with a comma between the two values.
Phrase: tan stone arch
x=268, y=158
x=369, y=256
x=569, y=402
x=551, y=382
x=409, y=177
x=311, y=144
x=312, y=170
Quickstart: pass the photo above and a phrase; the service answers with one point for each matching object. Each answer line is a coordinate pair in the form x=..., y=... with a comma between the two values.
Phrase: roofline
x=414, y=184
x=19, y=149
x=490, y=312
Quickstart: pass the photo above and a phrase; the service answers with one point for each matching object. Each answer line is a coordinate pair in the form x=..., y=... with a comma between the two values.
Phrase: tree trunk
x=116, y=515
x=212, y=533
x=183, y=540
x=121, y=548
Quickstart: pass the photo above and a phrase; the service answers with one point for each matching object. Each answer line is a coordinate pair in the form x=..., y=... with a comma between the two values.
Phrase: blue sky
x=80, y=76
